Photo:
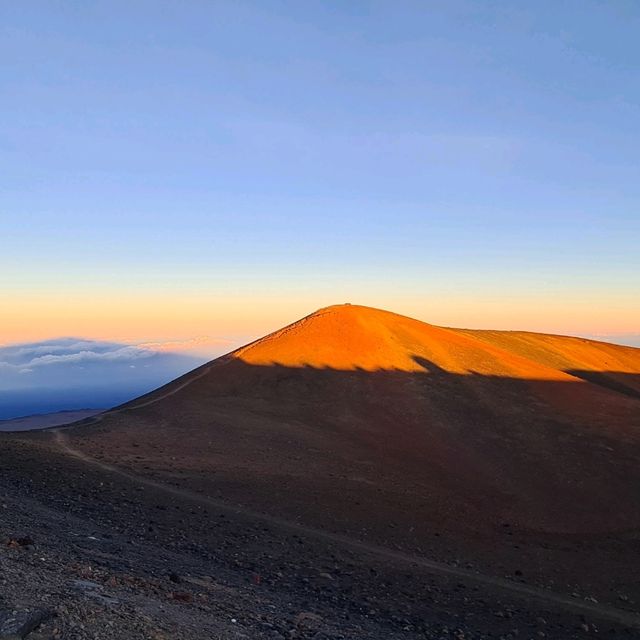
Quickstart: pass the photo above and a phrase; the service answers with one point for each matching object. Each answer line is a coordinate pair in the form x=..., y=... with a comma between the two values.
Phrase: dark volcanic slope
x=391, y=428
x=357, y=474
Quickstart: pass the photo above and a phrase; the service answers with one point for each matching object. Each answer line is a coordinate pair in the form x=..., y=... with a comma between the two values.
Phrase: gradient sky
x=180, y=169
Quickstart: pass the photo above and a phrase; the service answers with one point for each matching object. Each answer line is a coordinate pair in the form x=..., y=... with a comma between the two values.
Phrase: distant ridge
x=46, y=420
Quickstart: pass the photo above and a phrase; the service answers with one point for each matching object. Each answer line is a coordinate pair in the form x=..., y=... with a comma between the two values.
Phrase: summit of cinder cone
x=352, y=337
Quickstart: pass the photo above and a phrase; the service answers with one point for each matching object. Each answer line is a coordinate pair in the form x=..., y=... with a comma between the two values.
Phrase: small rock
x=21, y=622
x=308, y=621
x=93, y=590
x=181, y=596
x=17, y=543
x=86, y=585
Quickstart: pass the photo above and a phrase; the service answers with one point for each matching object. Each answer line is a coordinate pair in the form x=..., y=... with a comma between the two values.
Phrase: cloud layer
x=71, y=373
x=27, y=357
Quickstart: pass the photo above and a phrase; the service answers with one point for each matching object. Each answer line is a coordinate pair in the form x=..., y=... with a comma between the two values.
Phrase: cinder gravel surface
x=104, y=557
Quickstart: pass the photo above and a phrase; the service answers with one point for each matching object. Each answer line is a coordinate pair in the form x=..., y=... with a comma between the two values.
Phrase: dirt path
x=567, y=603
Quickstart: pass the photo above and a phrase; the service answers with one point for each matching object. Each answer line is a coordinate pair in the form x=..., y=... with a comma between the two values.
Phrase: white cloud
x=76, y=352
x=121, y=354
x=200, y=342
x=34, y=350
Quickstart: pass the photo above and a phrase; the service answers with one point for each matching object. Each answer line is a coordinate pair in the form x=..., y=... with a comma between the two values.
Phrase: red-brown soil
x=375, y=420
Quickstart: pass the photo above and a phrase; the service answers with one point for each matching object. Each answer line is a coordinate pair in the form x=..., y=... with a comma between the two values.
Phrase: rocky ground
x=46, y=420
x=89, y=554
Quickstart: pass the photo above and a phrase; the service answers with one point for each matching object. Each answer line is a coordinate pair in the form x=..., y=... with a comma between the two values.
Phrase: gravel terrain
x=357, y=474
x=45, y=420
x=89, y=554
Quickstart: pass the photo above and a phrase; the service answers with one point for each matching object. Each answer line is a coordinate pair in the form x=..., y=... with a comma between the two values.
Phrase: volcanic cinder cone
x=361, y=419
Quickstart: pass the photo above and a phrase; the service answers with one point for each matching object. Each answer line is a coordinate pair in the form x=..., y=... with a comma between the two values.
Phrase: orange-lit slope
x=612, y=365
x=351, y=337
x=367, y=417
x=348, y=337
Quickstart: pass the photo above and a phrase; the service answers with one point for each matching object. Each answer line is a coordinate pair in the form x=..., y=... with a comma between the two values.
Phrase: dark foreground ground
x=99, y=555
x=46, y=420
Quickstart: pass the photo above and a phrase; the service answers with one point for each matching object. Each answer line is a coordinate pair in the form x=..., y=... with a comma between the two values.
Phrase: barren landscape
x=357, y=474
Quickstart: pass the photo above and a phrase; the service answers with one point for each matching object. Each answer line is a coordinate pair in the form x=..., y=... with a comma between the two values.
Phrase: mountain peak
x=343, y=336
x=354, y=337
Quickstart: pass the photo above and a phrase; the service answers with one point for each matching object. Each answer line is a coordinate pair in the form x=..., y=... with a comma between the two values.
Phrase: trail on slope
x=601, y=611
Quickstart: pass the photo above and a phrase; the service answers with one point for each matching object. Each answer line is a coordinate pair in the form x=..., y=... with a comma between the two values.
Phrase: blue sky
x=468, y=163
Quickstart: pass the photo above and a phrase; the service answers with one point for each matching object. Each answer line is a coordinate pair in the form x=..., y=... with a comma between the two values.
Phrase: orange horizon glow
x=183, y=318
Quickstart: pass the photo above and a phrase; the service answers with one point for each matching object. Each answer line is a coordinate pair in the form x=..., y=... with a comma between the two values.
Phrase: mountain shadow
x=401, y=454
x=369, y=421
